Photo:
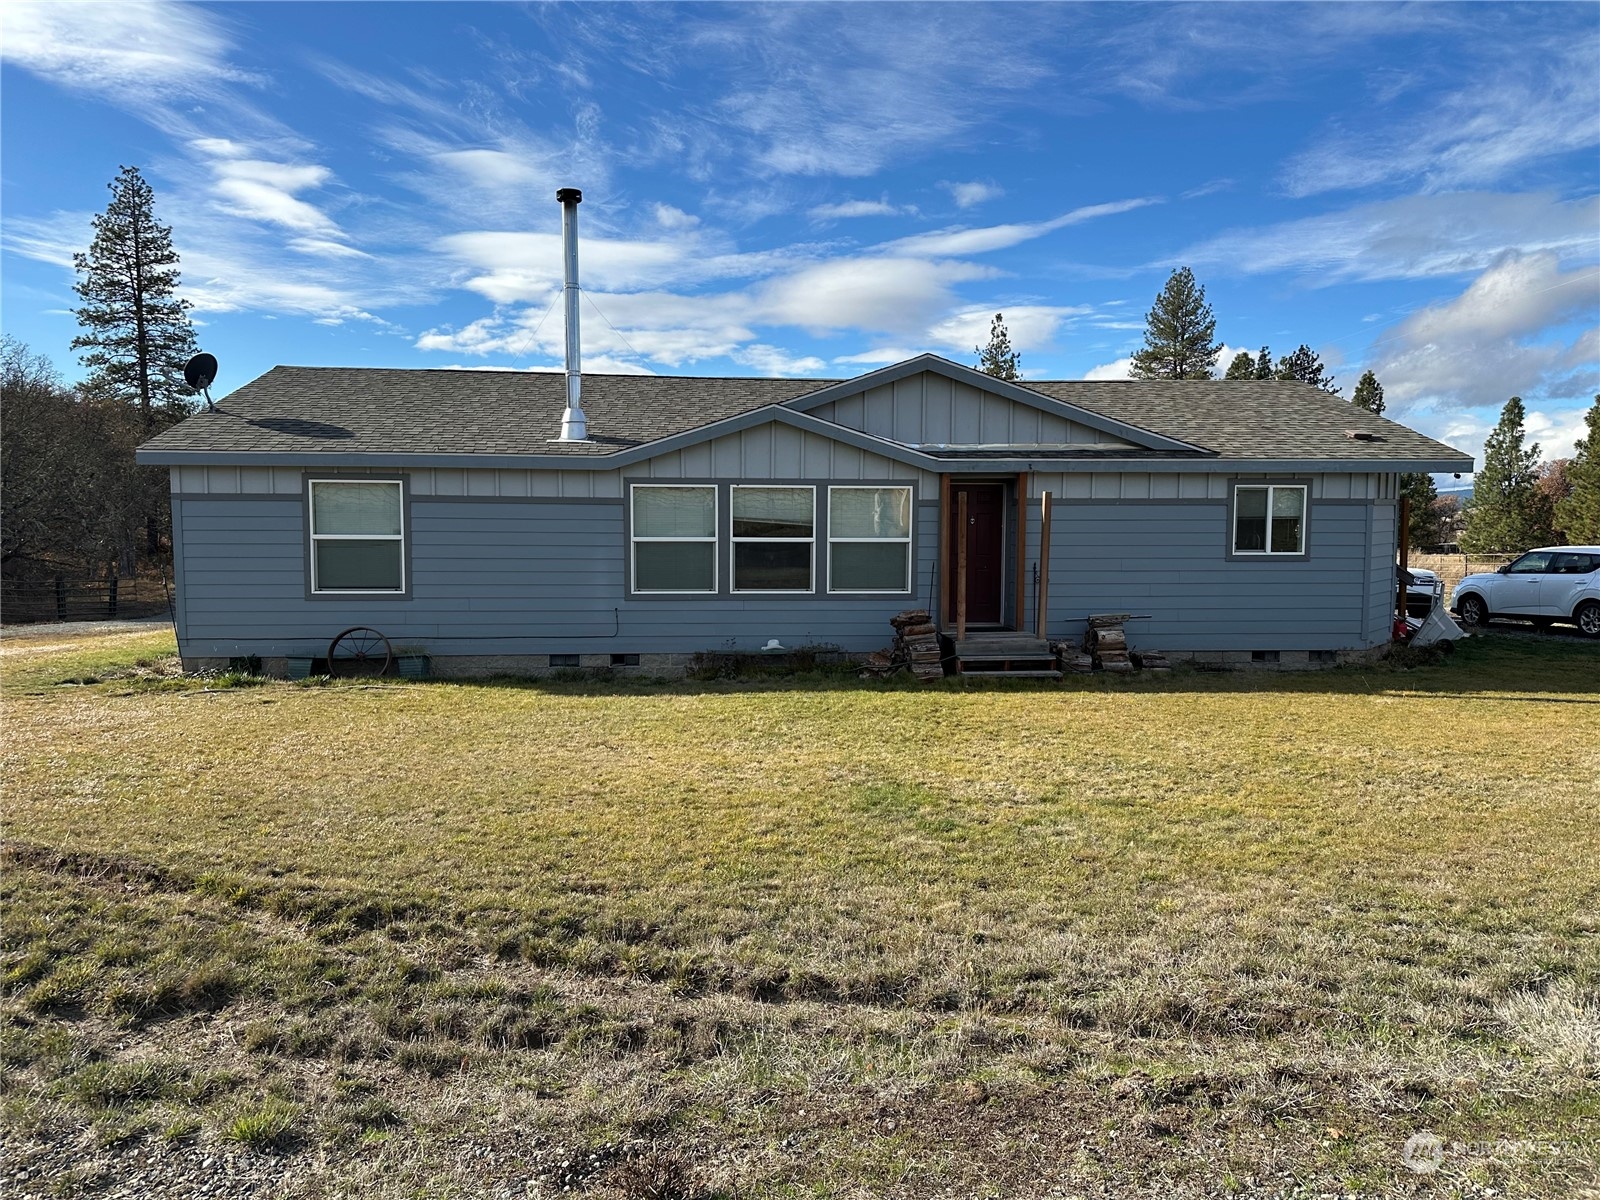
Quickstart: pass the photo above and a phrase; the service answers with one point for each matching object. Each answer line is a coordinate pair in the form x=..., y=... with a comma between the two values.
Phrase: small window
x=674, y=538
x=1269, y=519
x=624, y=660
x=1264, y=656
x=774, y=542
x=564, y=660
x=357, y=536
x=869, y=539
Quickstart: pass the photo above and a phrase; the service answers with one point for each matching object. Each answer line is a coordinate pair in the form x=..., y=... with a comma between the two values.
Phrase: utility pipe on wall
x=574, y=425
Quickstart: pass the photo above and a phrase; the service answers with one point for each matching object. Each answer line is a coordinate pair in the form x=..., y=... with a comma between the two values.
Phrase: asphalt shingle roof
x=1265, y=418
x=345, y=410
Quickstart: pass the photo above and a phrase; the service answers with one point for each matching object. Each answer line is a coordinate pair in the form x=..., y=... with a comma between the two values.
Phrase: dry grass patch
x=1178, y=933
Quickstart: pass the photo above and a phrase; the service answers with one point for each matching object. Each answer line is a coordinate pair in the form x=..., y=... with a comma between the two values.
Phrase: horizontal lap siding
x=1382, y=585
x=1170, y=561
x=492, y=578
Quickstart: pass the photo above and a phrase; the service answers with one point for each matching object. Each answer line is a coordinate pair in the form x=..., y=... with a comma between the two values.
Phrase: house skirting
x=672, y=666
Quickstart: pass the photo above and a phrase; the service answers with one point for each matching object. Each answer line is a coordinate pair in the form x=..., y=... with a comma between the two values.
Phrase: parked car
x=1550, y=584
x=1421, y=587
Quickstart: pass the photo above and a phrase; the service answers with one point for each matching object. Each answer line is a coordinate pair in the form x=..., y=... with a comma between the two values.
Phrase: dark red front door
x=985, y=533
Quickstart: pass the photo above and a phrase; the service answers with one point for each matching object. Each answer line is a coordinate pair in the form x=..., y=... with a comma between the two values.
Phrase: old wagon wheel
x=360, y=652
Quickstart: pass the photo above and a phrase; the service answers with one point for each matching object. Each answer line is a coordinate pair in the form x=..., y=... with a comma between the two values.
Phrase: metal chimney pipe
x=574, y=425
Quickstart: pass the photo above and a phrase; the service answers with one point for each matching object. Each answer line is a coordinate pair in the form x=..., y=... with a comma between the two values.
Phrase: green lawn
x=1187, y=934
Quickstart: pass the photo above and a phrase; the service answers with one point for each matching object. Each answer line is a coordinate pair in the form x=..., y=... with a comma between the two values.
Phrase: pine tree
x=1507, y=513
x=1264, y=364
x=998, y=358
x=1578, y=516
x=1419, y=488
x=135, y=326
x=1369, y=395
x=1243, y=366
x=1306, y=366
x=1179, y=332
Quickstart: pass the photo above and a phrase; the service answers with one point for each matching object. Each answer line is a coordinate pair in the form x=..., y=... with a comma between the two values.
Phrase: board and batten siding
x=930, y=409
x=1158, y=545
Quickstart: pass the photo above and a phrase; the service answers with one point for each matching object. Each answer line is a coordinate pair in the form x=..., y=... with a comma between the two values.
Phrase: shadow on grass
x=1482, y=664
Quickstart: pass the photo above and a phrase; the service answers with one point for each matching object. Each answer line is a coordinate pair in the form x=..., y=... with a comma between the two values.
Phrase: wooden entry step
x=1010, y=674
x=1002, y=644
x=1004, y=653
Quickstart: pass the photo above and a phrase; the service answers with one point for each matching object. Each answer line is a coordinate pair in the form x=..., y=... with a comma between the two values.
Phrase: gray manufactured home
x=443, y=509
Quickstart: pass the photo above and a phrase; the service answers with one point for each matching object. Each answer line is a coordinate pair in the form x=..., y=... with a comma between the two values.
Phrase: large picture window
x=869, y=539
x=357, y=536
x=774, y=538
x=674, y=538
x=1269, y=519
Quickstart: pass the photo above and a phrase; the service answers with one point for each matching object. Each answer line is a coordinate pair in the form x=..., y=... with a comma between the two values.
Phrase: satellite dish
x=198, y=373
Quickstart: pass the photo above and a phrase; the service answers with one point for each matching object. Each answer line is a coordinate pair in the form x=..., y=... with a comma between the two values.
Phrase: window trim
x=1234, y=554
x=909, y=541
x=716, y=532
x=403, y=592
x=734, y=541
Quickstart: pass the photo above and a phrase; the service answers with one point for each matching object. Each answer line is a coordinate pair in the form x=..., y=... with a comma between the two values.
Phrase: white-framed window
x=774, y=538
x=869, y=539
x=1269, y=518
x=357, y=536
x=674, y=533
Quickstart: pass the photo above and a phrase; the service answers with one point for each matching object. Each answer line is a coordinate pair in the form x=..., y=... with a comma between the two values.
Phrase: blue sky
x=818, y=190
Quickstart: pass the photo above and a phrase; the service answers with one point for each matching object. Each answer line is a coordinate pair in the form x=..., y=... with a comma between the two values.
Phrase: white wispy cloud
x=127, y=50
x=846, y=209
x=1500, y=337
x=1522, y=108
x=1116, y=369
x=1407, y=238
x=1029, y=326
x=878, y=356
x=167, y=63
x=265, y=191
x=786, y=91
x=670, y=217
x=972, y=193
x=771, y=361
x=952, y=242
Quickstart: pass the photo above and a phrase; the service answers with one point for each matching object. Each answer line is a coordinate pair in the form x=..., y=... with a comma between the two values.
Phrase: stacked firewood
x=916, y=644
x=1107, y=642
x=1151, y=660
x=1073, y=658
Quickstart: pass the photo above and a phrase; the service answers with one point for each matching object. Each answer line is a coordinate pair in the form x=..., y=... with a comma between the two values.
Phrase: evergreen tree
x=1507, y=513
x=998, y=358
x=1578, y=515
x=1243, y=366
x=1369, y=395
x=1179, y=332
x=1424, y=525
x=1306, y=366
x=1252, y=366
x=135, y=327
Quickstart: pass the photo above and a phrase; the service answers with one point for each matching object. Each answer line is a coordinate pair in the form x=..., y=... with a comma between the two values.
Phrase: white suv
x=1552, y=583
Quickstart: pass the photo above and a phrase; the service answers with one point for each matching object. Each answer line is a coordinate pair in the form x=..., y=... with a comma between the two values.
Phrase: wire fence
x=63, y=598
